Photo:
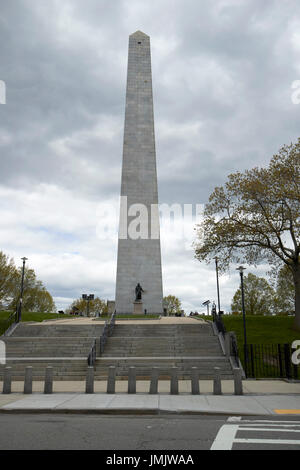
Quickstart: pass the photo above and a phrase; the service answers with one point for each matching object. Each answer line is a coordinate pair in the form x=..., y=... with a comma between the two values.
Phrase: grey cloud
x=224, y=66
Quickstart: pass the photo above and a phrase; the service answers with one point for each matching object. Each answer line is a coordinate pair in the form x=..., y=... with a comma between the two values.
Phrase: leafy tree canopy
x=96, y=305
x=36, y=298
x=255, y=216
x=172, y=304
x=259, y=296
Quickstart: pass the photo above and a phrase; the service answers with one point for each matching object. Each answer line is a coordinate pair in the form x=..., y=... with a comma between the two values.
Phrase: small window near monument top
x=139, y=42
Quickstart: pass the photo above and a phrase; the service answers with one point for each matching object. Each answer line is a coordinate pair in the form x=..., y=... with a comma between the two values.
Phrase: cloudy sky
x=223, y=72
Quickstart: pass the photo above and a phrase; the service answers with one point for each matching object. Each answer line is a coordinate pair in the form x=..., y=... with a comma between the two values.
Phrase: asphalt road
x=156, y=433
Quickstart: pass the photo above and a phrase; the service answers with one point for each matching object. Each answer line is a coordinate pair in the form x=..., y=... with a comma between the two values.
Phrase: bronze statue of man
x=138, y=292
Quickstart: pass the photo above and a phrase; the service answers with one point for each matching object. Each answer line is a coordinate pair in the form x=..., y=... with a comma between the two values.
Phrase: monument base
x=137, y=308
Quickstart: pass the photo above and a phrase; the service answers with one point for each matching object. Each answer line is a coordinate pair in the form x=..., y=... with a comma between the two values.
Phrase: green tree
x=8, y=279
x=172, y=304
x=95, y=306
x=255, y=216
x=35, y=296
x=259, y=296
x=285, y=294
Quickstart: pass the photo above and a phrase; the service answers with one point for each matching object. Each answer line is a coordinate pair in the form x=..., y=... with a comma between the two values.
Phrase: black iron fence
x=269, y=361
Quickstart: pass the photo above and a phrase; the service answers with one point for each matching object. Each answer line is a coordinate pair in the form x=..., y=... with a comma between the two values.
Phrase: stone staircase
x=64, y=347
x=164, y=346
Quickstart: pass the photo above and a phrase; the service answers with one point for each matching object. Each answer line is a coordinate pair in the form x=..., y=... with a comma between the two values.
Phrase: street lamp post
x=218, y=290
x=19, y=315
x=241, y=270
x=88, y=298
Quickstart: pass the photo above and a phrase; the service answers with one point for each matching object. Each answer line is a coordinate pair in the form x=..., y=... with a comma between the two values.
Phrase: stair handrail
x=234, y=349
x=92, y=354
x=218, y=321
x=103, y=337
x=107, y=331
x=112, y=323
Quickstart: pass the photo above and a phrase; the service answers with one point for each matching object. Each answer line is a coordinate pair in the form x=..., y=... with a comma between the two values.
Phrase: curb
x=129, y=411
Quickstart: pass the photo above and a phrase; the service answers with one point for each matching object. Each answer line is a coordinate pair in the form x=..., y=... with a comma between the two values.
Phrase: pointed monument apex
x=139, y=33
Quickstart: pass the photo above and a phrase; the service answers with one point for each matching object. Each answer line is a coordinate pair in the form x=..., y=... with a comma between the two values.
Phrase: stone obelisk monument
x=139, y=255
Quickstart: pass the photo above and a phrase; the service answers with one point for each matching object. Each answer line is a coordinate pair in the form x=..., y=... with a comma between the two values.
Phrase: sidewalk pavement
x=261, y=397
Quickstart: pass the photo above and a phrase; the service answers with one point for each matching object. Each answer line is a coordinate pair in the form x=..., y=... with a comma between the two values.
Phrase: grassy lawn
x=29, y=316
x=261, y=329
x=266, y=331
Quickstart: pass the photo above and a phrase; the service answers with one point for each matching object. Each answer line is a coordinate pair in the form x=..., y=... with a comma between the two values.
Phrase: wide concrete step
x=23, y=342
x=74, y=372
x=184, y=371
x=38, y=345
x=161, y=342
x=124, y=364
x=157, y=351
x=49, y=355
x=153, y=356
x=44, y=330
x=161, y=331
x=19, y=363
x=47, y=347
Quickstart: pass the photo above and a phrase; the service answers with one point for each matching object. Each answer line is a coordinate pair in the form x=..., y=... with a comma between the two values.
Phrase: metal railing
x=233, y=346
x=270, y=361
x=112, y=324
x=103, y=338
x=107, y=331
x=218, y=321
x=92, y=354
x=234, y=349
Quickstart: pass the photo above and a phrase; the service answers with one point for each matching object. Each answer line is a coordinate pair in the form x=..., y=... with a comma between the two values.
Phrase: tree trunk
x=296, y=275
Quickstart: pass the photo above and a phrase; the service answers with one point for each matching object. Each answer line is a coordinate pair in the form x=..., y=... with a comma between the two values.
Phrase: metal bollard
x=89, y=383
x=111, y=380
x=238, y=384
x=174, y=381
x=154, y=381
x=28, y=380
x=132, y=380
x=195, y=381
x=217, y=382
x=48, y=387
x=7, y=380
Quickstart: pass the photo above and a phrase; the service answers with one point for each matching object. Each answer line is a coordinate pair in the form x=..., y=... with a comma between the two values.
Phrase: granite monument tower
x=139, y=255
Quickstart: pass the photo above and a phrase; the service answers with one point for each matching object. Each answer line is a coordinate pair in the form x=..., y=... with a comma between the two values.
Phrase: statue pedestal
x=138, y=307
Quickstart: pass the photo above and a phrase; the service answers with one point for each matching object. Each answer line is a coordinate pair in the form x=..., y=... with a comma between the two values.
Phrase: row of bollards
x=111, y=380
x=173, y=372
x=7, y=379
